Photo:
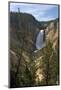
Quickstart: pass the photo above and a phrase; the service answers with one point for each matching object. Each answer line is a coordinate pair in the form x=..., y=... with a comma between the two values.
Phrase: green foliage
x=49, y=64
x=50, y=59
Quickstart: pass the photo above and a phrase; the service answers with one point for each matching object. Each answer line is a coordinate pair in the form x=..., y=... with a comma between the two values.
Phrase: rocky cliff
x=23, y=27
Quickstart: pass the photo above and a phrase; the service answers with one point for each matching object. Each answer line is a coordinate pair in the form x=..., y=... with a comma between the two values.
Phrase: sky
x=42, y=12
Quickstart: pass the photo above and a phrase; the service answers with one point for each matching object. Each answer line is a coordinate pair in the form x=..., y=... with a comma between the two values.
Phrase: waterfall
x=39, y=40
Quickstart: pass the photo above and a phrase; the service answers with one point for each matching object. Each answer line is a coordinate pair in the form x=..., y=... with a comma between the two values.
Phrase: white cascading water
x=39, y=41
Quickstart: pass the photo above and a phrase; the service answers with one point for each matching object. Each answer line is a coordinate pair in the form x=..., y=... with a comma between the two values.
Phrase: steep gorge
x=24, y=29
